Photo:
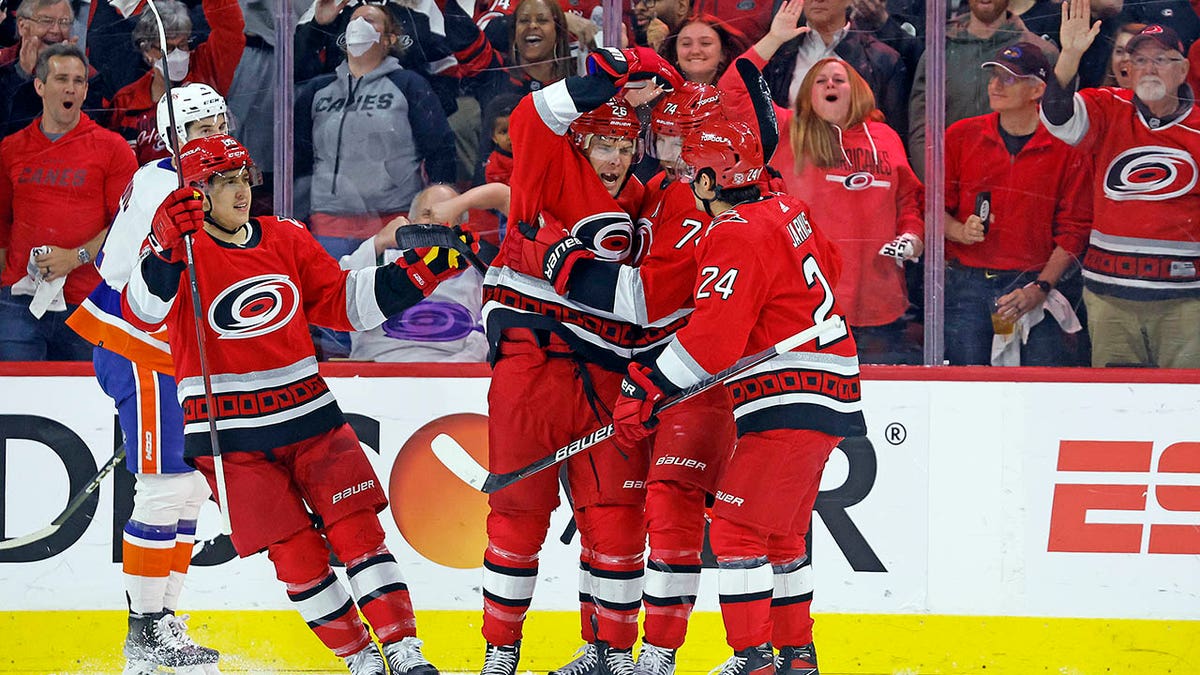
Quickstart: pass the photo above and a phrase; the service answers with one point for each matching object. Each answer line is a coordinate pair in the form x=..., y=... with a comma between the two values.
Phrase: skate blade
x=202, y=669
x=140, y=668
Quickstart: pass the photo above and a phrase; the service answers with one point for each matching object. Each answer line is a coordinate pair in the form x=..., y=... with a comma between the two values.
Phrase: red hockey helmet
x=678, y=114
x=681, y=112
x=730, y=149
x=616, y=118
x=202, y=158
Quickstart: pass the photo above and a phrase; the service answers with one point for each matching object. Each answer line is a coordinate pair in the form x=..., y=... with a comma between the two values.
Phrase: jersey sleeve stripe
x=678, y=366
x=556, y=107
x=361, y=307
x=1074, y=129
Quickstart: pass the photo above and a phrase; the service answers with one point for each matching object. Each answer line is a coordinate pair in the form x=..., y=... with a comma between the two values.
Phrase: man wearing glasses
x=1007, y=263
x=1141, y=283
x=40, y=23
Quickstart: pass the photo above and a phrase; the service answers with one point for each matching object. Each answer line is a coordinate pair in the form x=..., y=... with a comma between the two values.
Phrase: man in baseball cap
x=1016, y=253
x=1144, y=156
x=1023, y=59
x=1164, y=36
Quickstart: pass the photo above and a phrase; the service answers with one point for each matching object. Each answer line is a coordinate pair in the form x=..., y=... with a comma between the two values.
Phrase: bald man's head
x=418, y=212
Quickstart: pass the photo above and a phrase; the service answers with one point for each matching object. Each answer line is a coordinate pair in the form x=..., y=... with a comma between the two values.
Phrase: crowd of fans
x=393, y=97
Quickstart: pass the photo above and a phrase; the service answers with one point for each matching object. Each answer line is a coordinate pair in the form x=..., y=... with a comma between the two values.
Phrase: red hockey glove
x=436, y=265
x=633, y=414
x=556, y=252
x=180, y=214
x=637, y=63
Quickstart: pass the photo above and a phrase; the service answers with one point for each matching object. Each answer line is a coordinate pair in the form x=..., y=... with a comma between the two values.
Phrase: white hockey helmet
x=192, y=102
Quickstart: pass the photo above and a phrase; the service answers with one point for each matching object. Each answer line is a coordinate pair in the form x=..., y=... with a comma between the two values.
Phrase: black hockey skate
x=800, y=660
x=366, y=661
x=161, y=639
x=405, y=658
x=654, y=660
x=501, y=659
x=584, y=662
x=613, y=661
x=751, y=661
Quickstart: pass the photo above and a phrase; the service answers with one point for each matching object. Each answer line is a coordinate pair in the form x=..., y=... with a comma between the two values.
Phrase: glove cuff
x=419, y=274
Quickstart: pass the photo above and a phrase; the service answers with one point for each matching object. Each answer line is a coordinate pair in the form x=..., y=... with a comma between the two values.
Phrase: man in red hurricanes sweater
x=61, y=180
x=765, y=272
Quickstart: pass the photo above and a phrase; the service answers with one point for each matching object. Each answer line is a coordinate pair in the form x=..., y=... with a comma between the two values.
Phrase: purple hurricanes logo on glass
x=431, y=321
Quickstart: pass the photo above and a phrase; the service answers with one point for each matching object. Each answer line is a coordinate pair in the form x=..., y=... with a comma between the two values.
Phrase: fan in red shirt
x=61, y=180
x=212, y=62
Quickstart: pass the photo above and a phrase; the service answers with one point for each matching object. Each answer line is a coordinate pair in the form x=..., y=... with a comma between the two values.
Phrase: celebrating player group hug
x=607, y=297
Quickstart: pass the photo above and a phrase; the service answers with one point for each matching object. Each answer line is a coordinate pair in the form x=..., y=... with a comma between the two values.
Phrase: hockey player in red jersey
x=765, y=274
x=285, y=444
x=557, y=363
x=693, y=440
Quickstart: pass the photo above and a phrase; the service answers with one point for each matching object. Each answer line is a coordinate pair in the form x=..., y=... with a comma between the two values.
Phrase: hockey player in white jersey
x=135, y=370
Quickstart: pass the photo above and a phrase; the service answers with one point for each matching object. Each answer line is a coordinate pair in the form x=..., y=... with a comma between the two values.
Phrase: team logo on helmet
x=254, y=307
x=1150, y=173
x=608, y=235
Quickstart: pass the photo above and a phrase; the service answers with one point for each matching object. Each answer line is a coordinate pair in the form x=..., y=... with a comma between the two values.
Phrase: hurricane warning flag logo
x=1150, y=173
x=254, y=306
x=609, y=235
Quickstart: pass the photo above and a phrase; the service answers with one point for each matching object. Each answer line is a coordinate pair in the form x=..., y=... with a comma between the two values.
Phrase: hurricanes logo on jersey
x=608, y=235
x=254, y=307
x=1150, y=173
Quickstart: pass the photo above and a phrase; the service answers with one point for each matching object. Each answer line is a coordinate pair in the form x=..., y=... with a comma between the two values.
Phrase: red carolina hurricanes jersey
x=1145, y=239
x=668, y=269
x=554, y=186
x=257, y=302
x=765, y=274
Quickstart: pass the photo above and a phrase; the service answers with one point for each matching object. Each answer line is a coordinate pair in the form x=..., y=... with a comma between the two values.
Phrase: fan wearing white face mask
x=211, y=62
x=367, y=135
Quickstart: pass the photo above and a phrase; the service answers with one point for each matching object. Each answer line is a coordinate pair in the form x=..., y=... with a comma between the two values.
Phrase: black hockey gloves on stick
x=454, y=457
x=427, y=235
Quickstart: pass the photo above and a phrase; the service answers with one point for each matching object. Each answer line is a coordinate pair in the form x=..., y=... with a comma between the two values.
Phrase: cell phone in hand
x=983, y=209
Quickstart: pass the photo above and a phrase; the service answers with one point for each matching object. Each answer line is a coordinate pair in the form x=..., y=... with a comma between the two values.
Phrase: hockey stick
x=764, y=108
x=72, y=506
x=194, y=286
x=427, y=235
x=454, y=457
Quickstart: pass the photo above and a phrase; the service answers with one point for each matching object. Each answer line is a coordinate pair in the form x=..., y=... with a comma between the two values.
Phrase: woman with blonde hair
x=836, y=154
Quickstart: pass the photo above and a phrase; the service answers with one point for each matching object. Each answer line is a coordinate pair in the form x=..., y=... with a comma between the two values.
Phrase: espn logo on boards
x=1161, y=498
